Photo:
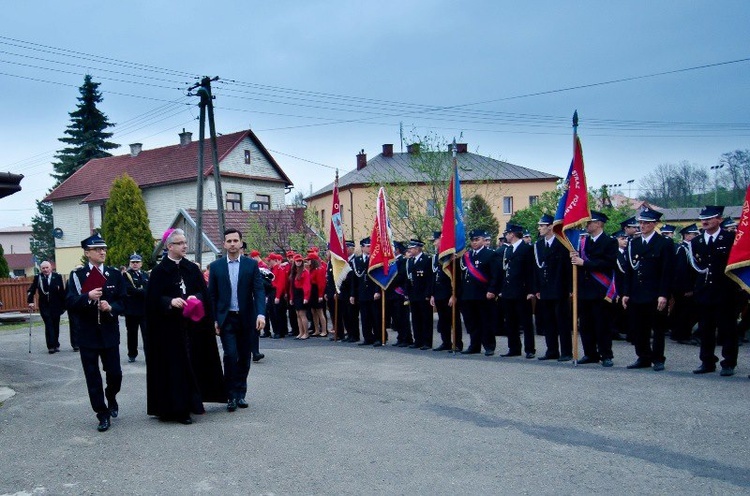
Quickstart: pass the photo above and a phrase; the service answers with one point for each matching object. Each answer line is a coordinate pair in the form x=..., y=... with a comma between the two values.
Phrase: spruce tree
x=479, y=216
x=86, y=139
x=4, y=269
x=125, y=227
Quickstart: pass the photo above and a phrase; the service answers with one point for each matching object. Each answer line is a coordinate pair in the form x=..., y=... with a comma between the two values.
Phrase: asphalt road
x=333, y=418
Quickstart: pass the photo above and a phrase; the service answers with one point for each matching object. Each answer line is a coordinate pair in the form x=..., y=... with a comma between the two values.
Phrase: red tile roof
x=170, y=164
x=19, y=260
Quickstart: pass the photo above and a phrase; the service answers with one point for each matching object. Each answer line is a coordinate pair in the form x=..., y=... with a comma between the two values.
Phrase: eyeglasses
x=178, y=243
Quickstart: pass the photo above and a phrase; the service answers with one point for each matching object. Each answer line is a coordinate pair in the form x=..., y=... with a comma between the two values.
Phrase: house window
x=507, y=204
x=403, y=209
x=533, y=200
x=247, y=157
x=234, y=201
x=264, y=200
x=322, y=218
x=19, y=272
x=432, y=210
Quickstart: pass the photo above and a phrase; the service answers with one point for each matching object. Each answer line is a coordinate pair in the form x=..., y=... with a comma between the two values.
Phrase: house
x=251, y=179
x=264, y=230
x=506, y=188
x=685, y=216
x=16, y=243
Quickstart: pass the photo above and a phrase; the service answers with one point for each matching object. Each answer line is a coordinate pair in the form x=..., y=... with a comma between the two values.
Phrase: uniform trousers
x=351, y=321
x=644, y=318
x=51, y=329
x=367, y=311
x=596, y=320
x=399, y=312
x=277, y=315
x=518, y=314
x=718, y=320
x=132, y=323
x=683, y=318
x=478, y=321
x=421, y=322
x=337, y=315
x=110, y=358
x=445, y=314
x=557, y=335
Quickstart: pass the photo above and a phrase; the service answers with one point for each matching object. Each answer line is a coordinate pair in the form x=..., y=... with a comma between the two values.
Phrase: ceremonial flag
x=453, y=238
x=339, y=264
x=738, y=265
x=382, y=268
x=573, y=208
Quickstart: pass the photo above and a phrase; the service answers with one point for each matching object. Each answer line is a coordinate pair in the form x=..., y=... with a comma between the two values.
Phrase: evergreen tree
x=42, y=242
x=4, y=269
x=86, y=136
x=125, y=226
x=479, y=216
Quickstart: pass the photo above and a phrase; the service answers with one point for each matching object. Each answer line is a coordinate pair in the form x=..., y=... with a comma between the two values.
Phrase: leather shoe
x=425, y=347
x=277, y=336
x=639, y=364
x=529, y=356
x=257, y=357
x=131, y=359
x=364, y=343
x=397, y=343
x=705, y=369
x=547, y=357
x=585, y=359
x=511, y=354
x=442, y=347
x=415, y=346
x=565, y=358
x=231, y=405
x=469, y=351
x=377, y=344
x=185, y=421
x=489, y=352
x=658, y=366
x=242, y=403
x=403, y=345
x=114, y=409
x=727, y=371
x=607, y=362
x=103, y=424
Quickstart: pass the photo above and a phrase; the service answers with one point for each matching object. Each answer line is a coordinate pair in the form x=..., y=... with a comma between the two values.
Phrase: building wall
x=358, y=221
x=16, y=241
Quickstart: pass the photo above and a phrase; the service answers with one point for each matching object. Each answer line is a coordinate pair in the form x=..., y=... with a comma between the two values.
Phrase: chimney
x=413, y=149
x=135, y=149
x=462, y=147
x=361, y=160
x=185, y=137
x=388, y=150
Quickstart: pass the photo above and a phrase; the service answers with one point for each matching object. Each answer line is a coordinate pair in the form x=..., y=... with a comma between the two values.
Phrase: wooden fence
x=13, y=294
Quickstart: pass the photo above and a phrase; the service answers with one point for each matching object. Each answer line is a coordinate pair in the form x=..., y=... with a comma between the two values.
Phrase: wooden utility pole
x=206, y=104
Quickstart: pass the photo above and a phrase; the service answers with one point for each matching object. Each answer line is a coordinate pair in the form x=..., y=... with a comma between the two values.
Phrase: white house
x=251, y=179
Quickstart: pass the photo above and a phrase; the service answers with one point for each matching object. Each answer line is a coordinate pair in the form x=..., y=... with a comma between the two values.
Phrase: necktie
x=710, y=241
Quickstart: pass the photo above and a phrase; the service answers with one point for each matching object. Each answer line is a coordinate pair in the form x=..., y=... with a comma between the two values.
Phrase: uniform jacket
x=518, y=272
x=552, y=270
x=364, y=287
x=648, y=269
x=487, y=264
x=713, y=286
x=441, y=287
x=683, y=280
x=135, y=284
x=97, y=329
x=419, y=275
x=601, y=257
x=51, y=295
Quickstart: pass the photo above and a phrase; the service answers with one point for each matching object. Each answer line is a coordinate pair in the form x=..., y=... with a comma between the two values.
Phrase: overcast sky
x=318, y=81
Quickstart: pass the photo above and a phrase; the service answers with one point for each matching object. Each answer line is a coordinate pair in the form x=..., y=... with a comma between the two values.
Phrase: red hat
x=313, y=256
x=290, y=254
x=254, y=253
x=314, y=248
x=297, y=257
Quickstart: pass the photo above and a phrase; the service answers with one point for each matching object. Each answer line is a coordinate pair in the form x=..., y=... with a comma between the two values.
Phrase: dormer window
x=247, y=157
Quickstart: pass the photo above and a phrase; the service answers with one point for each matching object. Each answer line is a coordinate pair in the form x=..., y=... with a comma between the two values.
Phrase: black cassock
x=183, y=367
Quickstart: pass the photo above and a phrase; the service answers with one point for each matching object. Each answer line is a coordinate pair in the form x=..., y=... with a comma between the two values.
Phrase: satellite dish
x=57, y=233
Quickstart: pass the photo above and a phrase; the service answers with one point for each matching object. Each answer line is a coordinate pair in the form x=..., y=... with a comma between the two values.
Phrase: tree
x=479, y=216
x=4, y=269
x=86, y=139
x=86, y=136
x=42, y=242
x=737, y=173
x=125, y=226
x=675, y=185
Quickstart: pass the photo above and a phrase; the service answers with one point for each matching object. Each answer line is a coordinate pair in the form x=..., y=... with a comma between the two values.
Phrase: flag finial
x=575, y=119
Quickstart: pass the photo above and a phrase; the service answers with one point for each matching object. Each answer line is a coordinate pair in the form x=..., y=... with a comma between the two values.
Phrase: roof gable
x=169, y=164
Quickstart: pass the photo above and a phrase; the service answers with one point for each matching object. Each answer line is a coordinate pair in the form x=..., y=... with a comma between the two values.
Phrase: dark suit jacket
x=486, y=262
x=364, y=287
x=419, y=274
x=518, y=272
x=553, y=280
x=251, y=294
x=51, y=297
x=648, y=269
x=97, y=329
x=601, y=257
x=713, y=286
x=136, y=284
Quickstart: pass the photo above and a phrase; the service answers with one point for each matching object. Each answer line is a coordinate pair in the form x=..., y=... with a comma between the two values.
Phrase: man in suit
x=518, y=291
x=136, y=282
x=419, y=275
x=479, y=288
x=351, y=309
x=646, y=289
x=238, y=298
x=552, y=280
x=442, y=298
x=396, y=302
x=716, y=295
x=367, y=294
x=596, y=260
x=684, y=315
x=98, y=309
x=51, y=291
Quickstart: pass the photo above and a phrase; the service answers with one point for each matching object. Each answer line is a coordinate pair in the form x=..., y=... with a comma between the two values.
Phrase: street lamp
x=630, y=184
x=716, y=181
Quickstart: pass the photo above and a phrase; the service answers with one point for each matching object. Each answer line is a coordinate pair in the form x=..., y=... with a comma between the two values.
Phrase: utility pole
x=716, y=181
x=206, y=104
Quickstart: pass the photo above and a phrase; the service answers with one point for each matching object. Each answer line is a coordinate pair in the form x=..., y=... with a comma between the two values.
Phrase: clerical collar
x=178, y=260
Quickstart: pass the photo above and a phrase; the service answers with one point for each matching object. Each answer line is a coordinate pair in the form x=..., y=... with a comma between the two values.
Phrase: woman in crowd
x=317, y=307
x=300, y=287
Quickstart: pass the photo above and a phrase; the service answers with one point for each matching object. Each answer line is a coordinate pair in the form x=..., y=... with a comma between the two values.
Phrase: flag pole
x=335, y=315
x=382, y=314
x=453, y=265
x=575, y=267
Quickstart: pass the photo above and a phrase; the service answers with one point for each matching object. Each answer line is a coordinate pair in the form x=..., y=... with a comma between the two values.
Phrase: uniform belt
x=235, y=313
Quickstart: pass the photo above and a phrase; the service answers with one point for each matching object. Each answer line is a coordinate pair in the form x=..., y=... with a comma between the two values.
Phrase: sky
x=654, y=82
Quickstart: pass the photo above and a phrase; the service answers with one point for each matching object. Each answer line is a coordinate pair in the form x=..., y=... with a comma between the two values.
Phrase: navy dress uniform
x=364, y=294
x=419, y=278
x=99, y=332
x=646, y=290
x=441, y=291
x=51, y=291
x=517, y=285
x=684, y=314
x=348, y=288
x=136, y=283
x=480, y=278
x=716, y=295
x=397, y=307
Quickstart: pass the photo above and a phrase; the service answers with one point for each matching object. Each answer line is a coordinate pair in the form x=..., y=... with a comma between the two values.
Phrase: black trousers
x=445, y=314
x=718, y=321
x=277, y=314
x=73, y=325
x=517, y=315
x=132, y=323
x=337, y=315
x=351, y=321
x=596, y=320
x=366, y=314
x=683, y=318
x=421, y=320
x=479, y=324
x=51, y=329
x=293, y=324
x=110, y=358
x=237, y=345
x=557, y=320
x=644, y=318
x=399, y=313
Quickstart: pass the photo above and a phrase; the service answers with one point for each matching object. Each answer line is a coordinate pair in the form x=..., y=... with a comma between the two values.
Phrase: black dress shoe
x=705, y=369
x=529, y=356
x=131, y=359
x=565, y=358
x=415, y=346
x=231, y=405
x=511, y=354
x=443, y=347
x=727, y=371
x=586, y=359
x=276, y=336
x=639, y=364
x=397, y=343
x=607, y=362
x=489, y=352
x=103, y=424
x=185, y=421
x=76, y=348
x=364, y=343
x=403, y=345
x=469, y=351
x=114, y=409
x=51, y=351
x=258, y=357
x=242, y=403
x=425, y=347
x=547, y=357
x=658, y=366
x=377, y=344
